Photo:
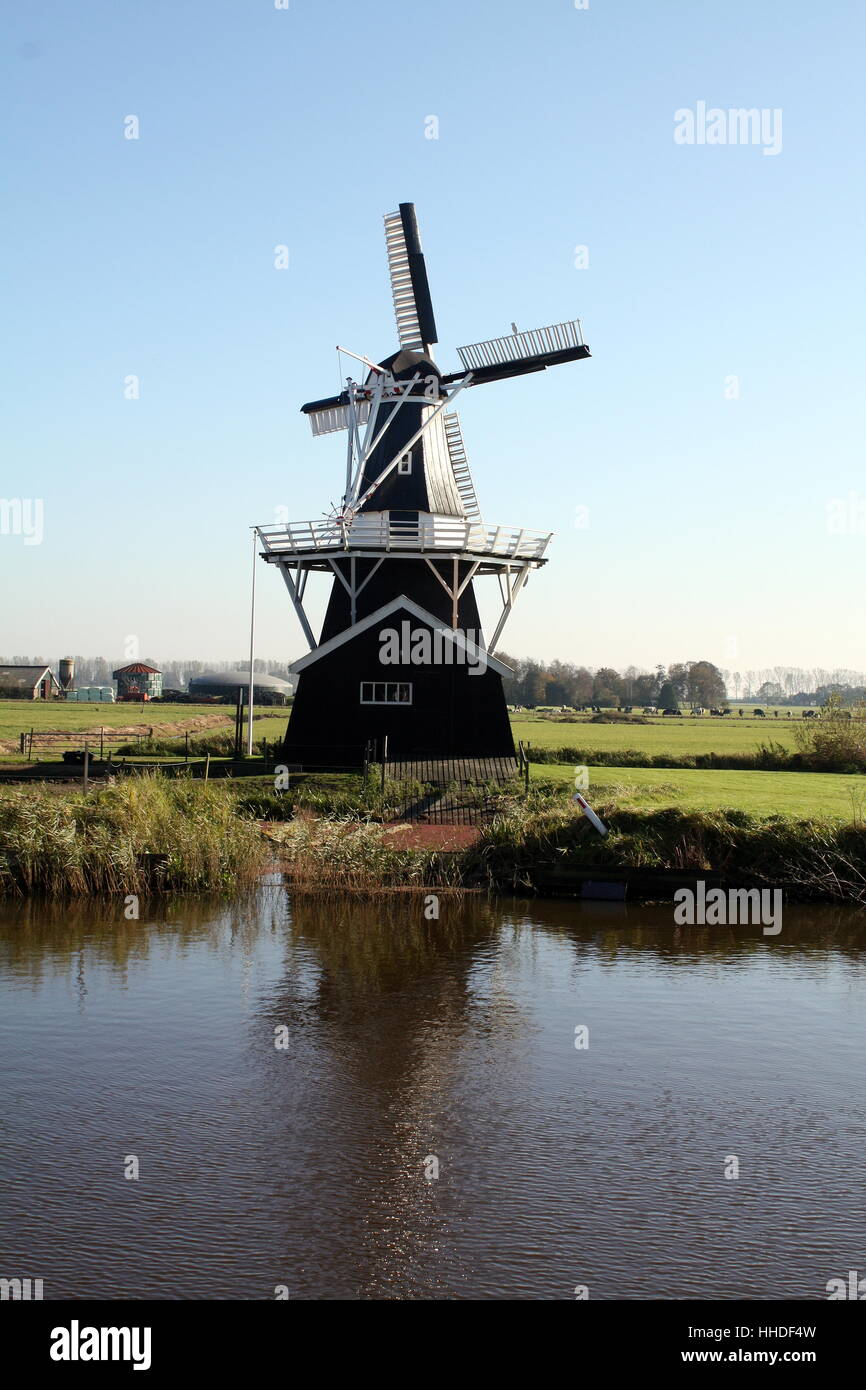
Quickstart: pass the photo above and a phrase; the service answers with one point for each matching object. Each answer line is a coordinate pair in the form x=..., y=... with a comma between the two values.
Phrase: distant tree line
x=693, y=683
x=795, y=685
x=697, y=684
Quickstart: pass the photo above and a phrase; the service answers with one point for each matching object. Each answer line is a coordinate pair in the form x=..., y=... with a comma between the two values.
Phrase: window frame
x=378, y=693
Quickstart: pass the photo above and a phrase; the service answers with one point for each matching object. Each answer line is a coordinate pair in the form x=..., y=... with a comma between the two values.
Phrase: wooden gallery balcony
x=378, y=533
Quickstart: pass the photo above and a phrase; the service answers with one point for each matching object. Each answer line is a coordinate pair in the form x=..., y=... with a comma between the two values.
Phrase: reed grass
x=140, y=835
x=815, y=858
x=355, y=858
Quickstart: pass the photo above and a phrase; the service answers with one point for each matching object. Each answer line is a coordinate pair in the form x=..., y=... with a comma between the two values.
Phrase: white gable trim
x=475, y=653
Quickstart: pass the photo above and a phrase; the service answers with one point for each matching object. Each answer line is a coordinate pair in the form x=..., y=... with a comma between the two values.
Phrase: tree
x=607, y=686
x=534, y=686
x=770, y=692
x=706, y=685
x=668, y=697
x=678, y=675
x=582, y=686
x=646, y=689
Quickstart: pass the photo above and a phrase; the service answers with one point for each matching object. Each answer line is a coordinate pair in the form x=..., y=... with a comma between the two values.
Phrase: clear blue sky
x=707, y=531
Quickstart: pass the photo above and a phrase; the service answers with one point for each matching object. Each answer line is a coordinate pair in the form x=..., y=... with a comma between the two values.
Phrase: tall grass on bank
x=354, y=857
x=347, y=799
x=812, y=858
x=815, y=858
x=140, y=835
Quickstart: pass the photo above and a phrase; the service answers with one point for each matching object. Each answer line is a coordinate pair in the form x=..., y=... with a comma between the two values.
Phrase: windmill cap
x=406, y=363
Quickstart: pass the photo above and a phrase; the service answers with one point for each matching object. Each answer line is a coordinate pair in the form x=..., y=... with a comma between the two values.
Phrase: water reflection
x=406, y=1040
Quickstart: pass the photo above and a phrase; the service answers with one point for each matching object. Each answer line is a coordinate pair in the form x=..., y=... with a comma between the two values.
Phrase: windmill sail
x=516, y=353
x=328, y=418
x=416, y=326
x=460, y=465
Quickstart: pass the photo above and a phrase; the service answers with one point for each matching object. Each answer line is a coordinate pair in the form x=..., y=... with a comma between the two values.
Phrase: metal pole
x=350, y=443
x=252, y=644
x=85, y=777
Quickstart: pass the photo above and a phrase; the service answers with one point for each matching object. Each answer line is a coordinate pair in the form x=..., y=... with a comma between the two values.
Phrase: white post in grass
x=252, y=647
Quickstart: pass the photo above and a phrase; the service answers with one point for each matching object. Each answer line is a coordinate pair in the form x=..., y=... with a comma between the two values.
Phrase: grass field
x=20, y=716
x=761, y=793
x=686, y=735
x=799, y=794
x=271, y=726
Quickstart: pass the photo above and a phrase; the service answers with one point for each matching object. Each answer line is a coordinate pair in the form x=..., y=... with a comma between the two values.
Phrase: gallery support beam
x=509, y=599
x=298, y=606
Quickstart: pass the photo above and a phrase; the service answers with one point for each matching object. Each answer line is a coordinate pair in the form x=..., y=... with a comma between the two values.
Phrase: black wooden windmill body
x=406, y=546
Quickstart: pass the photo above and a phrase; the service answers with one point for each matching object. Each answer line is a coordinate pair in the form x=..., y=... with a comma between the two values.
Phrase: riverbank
x=150, y=835
x=543, y=846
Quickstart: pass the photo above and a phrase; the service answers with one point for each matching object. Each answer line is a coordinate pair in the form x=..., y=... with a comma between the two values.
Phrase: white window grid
x=386, y=692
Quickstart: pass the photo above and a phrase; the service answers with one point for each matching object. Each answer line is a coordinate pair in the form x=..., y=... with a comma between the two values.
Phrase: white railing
x=377, y=531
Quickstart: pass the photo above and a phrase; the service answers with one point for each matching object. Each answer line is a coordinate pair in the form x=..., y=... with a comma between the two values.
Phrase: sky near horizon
x=703, y=472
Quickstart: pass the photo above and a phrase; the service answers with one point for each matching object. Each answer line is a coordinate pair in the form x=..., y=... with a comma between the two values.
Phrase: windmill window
x=405, y=464
x=386, y=693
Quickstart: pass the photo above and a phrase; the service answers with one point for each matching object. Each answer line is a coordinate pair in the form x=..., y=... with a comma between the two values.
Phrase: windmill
x=401, y=654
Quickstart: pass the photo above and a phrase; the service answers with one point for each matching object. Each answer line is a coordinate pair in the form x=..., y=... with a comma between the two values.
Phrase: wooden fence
x=94, y=741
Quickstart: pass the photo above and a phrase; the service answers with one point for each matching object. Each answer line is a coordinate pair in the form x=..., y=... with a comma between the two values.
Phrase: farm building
x=267, y=690
x=138, y=682
x=27, y=683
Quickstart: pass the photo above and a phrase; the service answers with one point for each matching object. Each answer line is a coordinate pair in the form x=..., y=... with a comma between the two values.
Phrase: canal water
x=350, y=1101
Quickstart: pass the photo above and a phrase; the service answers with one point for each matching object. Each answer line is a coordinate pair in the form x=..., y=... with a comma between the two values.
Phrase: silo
x=67, y=672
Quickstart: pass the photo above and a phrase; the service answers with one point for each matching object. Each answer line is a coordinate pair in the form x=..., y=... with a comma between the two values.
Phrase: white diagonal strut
x=298, y=606
x=410, y=444
x=512, y=589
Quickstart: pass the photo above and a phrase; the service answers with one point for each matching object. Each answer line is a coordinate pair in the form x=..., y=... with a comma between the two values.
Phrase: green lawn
x=272, y=726
x=20, y=716
x=686, y=735
x=761, y=793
